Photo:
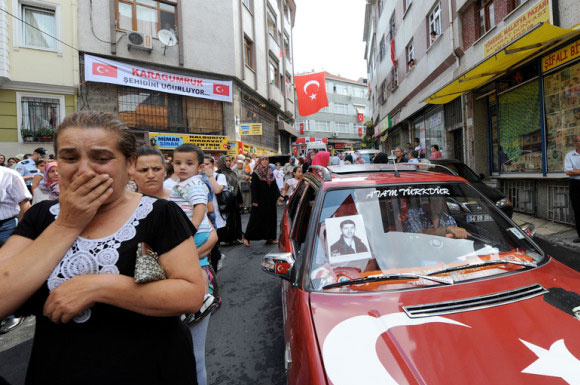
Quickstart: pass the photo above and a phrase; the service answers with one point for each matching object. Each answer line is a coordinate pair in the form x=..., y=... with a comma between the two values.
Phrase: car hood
x=368, y=339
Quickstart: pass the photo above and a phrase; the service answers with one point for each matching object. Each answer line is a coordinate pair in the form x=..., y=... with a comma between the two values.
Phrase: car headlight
x=503, y=203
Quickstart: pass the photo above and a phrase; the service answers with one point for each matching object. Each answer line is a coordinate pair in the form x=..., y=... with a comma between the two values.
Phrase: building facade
x=342, y=122
x=493, y=83
x=39, y=72
x=173, y=52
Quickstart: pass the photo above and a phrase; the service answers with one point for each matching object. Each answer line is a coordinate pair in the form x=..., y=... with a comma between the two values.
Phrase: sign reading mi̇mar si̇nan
x=538, y=13
x=205, y=142
x=561, y=56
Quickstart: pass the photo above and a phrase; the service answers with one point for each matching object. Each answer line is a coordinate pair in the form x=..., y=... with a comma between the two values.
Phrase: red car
x=403, y=276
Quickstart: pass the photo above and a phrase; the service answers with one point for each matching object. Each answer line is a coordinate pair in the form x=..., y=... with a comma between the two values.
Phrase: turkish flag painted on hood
x=311, y=92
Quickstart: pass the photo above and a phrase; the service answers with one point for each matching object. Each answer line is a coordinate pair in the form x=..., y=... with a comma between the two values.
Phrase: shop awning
x=538, y=39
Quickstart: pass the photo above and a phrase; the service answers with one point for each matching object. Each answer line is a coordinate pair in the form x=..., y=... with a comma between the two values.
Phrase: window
x=340, y=89
x=321, y=126
x=146, y=16
x=45, y=21
x=144, y=109
x=288, y=87
x=340, y=108
x=287, y=47
x=287, y=12
x=514, y=4
x=486, y=16
x=382, y=49
x=435, y=24
x=393, y=25
x=380, y=7
x=249, y=53
x=407, y=4
x=272, y=25
x=274, y=70
x=562, y=105
x=394, y=78
x=383, y=93
x=410, y=55
x=38, y=113
x=249, y=4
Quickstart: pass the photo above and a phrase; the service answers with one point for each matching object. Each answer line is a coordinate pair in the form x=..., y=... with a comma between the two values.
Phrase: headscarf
x=309, y=156
x=265, y=173
x=381, y=157
x=47, y=185
x=231, y=178
x=321, y=159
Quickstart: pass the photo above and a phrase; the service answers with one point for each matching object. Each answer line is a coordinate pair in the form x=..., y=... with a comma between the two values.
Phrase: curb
x=569, y=245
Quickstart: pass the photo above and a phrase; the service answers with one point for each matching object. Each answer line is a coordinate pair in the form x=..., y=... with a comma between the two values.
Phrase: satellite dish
x=166, y=37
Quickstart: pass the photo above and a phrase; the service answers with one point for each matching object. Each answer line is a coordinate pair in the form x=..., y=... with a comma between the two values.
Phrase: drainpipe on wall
x=452, y=33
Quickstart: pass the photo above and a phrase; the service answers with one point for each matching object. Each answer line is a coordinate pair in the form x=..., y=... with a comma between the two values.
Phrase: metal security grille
x=558, y=204
x=522, y=194
x=39, y=113
x=167, y=112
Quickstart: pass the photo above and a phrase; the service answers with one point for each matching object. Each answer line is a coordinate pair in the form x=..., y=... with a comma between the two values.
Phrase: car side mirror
x=278, y=264
x=529, y=229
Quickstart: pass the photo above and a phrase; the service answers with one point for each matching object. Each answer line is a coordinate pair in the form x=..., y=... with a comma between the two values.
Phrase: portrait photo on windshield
x=347, y=239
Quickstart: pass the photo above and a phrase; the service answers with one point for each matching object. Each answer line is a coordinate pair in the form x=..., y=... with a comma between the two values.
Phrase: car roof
x=377, y=174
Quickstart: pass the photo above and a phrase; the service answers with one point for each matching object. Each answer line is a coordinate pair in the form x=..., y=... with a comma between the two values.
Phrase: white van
x=366, y=155
x=316, y=146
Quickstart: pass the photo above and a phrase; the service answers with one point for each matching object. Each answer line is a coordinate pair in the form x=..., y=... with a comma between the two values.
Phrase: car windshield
x=380, y=236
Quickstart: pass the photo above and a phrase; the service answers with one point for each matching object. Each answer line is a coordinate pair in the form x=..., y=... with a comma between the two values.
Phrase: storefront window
x=562, y=100
x=419, y=130
x=520, y=136
x=435, y=132
x=494, y=134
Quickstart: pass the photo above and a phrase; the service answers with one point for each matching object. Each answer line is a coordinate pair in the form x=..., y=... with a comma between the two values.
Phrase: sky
x=328, y=37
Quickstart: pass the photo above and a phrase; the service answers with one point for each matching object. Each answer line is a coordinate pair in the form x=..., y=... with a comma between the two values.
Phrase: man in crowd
x=27, y=167
x=572, y=169
x=15, y=199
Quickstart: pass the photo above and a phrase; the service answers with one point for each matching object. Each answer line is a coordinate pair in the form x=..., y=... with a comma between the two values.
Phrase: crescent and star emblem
x=101, y=69
x=308, y=83
x=362, y=364
x=219, y=89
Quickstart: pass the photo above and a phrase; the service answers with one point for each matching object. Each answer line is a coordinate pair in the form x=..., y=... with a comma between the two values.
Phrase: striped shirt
x=189, y=193
x=572, y=162
x=12, y=191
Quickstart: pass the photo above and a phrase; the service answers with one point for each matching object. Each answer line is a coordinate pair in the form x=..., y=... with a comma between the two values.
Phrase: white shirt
x=572, y=162
x=169, y=183
x=12, y=191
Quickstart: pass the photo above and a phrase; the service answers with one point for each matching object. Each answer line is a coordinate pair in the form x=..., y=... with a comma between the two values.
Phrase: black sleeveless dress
x=107, y=344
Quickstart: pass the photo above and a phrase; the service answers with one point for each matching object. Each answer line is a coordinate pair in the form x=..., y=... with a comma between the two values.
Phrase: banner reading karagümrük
x=102, y=70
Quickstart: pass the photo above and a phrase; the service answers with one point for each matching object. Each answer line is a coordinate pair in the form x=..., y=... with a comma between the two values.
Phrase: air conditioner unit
x=334, y=134
x=140, y=41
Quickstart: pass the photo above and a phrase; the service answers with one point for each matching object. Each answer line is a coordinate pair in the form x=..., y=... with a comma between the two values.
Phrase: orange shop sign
x=538, y=13
x=561, y=56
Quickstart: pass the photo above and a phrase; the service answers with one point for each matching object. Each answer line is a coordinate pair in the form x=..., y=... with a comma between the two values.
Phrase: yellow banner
x=205, y=142
x=250, y=149
x=251, y=129
x=538, y=13
x=561, y=56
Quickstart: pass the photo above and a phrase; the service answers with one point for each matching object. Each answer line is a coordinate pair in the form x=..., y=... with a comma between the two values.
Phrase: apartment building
x=341, y=124
x=492, y=82
x=39, y=72
x=177, y=71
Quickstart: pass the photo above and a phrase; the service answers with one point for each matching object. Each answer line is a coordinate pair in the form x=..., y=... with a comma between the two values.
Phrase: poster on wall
x=346, y=239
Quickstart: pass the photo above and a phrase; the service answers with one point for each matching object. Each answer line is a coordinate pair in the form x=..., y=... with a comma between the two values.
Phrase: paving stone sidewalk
x=556, y=233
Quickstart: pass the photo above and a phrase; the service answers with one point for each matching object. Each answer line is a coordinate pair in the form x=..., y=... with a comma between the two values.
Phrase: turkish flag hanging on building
x=311, y=93
x=393, y=53
x=302, y=128
x=360, y=118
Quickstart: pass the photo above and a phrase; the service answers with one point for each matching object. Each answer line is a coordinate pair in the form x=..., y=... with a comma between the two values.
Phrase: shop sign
x=235, y=148
x=248, y=148
x=102, y=70
x=538, y=13
x=251, y=129
x=338, y=145
x=382, y=126
x=308, y=139
x=205, y=142
x=561, y=56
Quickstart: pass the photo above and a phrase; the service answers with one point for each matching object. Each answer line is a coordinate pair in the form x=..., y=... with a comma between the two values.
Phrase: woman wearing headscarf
x=232, y=232
x=307, y=161
x=381, y=157
x=243, y=185
x=322, y=158
x=265, y=193
x=48, y=188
